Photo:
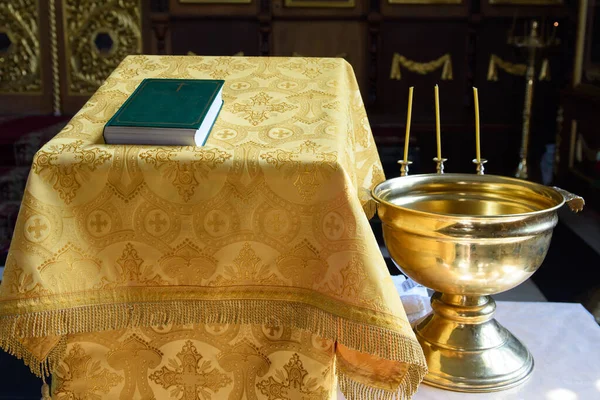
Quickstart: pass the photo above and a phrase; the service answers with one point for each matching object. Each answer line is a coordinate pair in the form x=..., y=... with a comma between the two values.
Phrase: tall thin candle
x=408, y=116
x=437, y=123
x=476, y=102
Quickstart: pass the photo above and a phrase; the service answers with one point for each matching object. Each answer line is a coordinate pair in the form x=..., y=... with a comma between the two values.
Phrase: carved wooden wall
x=57, y=52
x=24, y=53
x=394, y=44
x=577, y=161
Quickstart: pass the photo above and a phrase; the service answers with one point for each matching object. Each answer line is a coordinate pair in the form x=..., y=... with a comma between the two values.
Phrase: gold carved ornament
x=84, y=21
x=20, y=63
x=55, y=63
x=445, y=62
x=514, y=69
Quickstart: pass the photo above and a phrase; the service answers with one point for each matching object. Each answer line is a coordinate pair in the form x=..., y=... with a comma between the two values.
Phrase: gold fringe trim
x=40, y=368
x=357, y=336
x=354, y=390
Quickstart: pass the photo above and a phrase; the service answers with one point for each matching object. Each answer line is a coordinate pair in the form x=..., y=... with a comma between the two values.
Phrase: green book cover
x=168, y=103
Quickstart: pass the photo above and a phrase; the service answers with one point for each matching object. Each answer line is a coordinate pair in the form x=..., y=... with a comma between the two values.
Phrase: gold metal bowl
x=467, y=237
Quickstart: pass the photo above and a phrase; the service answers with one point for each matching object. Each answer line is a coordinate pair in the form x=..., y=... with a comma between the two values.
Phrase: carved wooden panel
x=216, y=1
x=234, y=37
x=228, y=8
x=501, y=80
x=500, y=76
x=345, y=39
x=525, y=8
x=579, y=143
x=320, y=3
x=421, y=55
x=319, y=8
x=526, y=2
x=425, y=8
x=20, y=47
x=97, y=36
x=25, y=68
x=589, y=56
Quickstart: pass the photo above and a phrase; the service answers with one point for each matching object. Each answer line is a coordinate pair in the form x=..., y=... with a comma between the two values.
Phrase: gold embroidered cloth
x=267, y=224
x=200, y=361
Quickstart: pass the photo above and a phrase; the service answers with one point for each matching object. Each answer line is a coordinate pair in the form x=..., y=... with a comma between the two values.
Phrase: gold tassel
x=447, y=71
x=492, y=70
x=545, y=71
x=395, y=72
x=45, y=390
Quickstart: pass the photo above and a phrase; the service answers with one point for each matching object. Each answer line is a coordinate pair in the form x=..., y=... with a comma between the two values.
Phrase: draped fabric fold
x=265, y=225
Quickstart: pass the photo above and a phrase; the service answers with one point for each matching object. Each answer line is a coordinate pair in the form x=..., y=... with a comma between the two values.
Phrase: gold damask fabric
x=267, y=224
x=190, y=362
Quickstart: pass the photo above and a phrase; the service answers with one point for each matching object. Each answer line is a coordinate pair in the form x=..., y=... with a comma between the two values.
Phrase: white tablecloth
x=565, y=342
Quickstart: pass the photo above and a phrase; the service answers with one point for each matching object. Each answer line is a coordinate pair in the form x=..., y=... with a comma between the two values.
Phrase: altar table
x=243, y=268
x=564, y=340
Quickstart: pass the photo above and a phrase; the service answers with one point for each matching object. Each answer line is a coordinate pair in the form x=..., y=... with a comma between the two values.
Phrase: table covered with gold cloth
x=245, y=268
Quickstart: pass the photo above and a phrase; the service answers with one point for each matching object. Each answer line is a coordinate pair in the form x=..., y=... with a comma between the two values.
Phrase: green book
x=179, y=112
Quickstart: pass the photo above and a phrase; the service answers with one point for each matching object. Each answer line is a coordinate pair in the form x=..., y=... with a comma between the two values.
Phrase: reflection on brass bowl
x=467, y=237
